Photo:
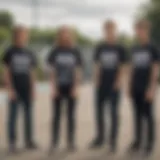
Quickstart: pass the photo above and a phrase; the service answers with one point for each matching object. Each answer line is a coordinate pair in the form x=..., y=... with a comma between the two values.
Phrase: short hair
x=109, y=23
x=143, y=23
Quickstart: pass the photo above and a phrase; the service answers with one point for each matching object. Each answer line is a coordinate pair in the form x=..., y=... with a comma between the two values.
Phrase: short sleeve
x=96, y=55
x=7, y=57
x=123, y=55
x=155, y=54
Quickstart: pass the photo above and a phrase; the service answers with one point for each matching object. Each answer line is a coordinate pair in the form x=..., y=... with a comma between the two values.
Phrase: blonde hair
x=65, y=28
x=110, y=24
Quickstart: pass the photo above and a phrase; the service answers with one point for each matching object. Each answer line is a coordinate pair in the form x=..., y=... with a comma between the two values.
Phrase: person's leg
x=56, y=120
x=12, y=119
x=71, y=109
x=138, y=116
x=148, y=111
x=99, y=117
x=28, y=120
x=114, y=118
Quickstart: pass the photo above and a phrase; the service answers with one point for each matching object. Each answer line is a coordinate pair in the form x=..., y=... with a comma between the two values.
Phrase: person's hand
x=54, y=92
x=116, y=86
x=128, y=92
x=149, y=96
x=33, y=94
x=12, y=94
x=74, y=92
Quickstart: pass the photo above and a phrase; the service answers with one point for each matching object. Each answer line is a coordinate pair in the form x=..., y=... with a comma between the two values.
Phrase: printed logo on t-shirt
x=109, y=59
x=141, y=59
x=65, y=59
x=21, y=63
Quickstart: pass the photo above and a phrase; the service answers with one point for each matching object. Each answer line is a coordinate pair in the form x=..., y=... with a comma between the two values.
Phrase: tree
x=152, y=12
x=6, y=20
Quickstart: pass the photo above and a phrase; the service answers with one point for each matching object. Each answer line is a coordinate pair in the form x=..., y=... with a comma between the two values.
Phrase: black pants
x=143, y=110
x=64, y=94
x=12, y=118
x=102, y=96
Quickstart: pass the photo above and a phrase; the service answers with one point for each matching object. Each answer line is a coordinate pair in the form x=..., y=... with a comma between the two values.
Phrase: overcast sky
x=86, y=15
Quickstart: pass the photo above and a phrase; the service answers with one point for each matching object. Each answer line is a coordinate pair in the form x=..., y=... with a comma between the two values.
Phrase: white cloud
x=87, y=15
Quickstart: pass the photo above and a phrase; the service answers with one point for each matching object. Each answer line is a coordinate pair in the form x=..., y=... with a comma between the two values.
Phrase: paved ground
x=85, y=131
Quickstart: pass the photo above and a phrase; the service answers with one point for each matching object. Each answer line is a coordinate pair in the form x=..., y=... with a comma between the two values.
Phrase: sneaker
x=96, y=144
x=134, y=147
x=71, y=148
x=31, y=146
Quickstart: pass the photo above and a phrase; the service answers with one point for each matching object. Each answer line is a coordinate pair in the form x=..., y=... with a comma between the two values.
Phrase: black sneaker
x=31, y=146
x=96, y=144
x=148, y=150
x=71, y=148
x=134, y=147
x=113, y=148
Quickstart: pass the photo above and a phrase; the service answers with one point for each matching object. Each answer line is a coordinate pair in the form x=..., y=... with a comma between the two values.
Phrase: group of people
x=66, y=69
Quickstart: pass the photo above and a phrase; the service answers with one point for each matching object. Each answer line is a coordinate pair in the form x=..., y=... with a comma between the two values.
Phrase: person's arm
x=7, y=74
x=129, y=72
x=8, y=83
x=52, y=74
x=121, y=70
x=96, y=72
x=154, y=75
x=78, y=74
x=33, y=74
x=153, y=82
x=33, y=83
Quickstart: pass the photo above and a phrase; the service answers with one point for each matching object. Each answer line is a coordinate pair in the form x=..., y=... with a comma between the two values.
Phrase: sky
x=87, y=15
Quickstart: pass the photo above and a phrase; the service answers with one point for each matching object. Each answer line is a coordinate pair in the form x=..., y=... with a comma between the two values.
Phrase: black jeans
x=103, y=95
x=64, y=94
x=143, y=110
x=12, y=118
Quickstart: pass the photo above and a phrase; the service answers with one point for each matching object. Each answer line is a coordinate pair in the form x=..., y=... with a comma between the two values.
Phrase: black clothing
x=143, y=109
x=109, y=57
x=64, y=94
x=12, y=119
x=20, y=62
x=65, y=61
x=113, y=99
x=143, y=58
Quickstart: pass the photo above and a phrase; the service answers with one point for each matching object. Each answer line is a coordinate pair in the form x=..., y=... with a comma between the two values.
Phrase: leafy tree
x=152, y=12
x=6, y=19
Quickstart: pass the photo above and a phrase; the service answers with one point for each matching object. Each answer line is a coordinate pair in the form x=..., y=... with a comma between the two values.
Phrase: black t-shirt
x=109, y=57
x=143, y=58
x=65, y=61
x=20, y=62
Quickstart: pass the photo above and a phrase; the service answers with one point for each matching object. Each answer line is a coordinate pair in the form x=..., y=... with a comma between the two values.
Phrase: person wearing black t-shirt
x=143, y=84
x=19, y=77
x=65, y=63
x=109, y=58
